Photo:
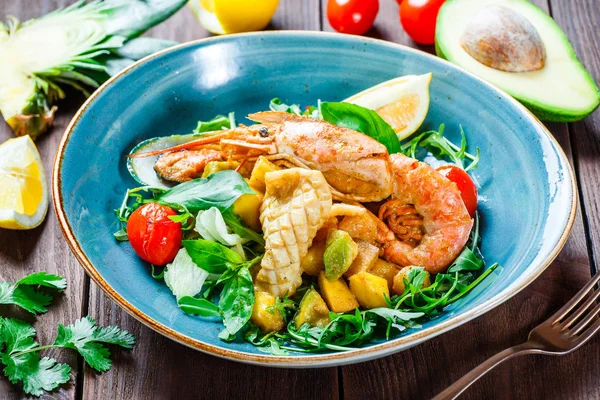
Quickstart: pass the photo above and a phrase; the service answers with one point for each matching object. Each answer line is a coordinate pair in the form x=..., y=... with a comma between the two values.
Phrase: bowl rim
x=325, y=360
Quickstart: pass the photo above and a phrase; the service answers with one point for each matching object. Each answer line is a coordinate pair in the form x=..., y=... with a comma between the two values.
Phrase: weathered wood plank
x=581, y=21
x=43, y=248
x=427, y=369
x=161, y=368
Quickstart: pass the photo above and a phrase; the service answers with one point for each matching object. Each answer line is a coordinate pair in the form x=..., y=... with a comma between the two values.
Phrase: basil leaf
x=237, y=299
x=234, y=222
x=211, y=256
x=362, y=120
x=202, y=307
x=220, y=190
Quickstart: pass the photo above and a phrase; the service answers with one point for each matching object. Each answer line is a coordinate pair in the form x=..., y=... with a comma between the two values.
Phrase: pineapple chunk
x=386, y=270
x=339, y=254
x=366, y=258
x=312, y=310
x=370, y=290
x=216, y=166
x=403, y=274
x=312, y=262
x=261, y=167
x=262, y=317
x=247, y=207
x=336, y=294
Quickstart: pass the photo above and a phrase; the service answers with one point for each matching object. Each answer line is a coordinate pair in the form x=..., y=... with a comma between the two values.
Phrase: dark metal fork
x=562, y=333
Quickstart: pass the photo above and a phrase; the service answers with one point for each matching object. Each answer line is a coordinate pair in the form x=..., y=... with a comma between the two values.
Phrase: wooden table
x=160, y=368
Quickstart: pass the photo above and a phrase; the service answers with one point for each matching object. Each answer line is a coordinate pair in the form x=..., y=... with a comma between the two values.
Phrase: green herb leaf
x=277, y=105
x=237, y=299
x=218, y=123
x=44, y=279
x=220, y=190
x=362, y=120
x=24, y=295
x=466, y=261
x=121, y=235
x=85, y=337
x=22, y=364
x=211, y=256
x=202, y=307
x=436, y=143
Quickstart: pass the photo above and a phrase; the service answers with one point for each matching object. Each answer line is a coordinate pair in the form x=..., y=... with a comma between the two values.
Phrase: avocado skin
x=543, y=113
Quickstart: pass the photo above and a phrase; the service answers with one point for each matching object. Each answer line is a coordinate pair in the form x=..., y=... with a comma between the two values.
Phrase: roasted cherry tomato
x=352, y=16
x=418, y=19
x=465, y=184
x=153, y=236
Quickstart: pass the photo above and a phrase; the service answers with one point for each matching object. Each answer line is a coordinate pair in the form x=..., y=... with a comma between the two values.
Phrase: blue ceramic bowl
x=527, y=188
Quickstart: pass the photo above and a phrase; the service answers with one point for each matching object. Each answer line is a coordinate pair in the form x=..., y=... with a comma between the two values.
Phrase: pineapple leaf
x=81, y=46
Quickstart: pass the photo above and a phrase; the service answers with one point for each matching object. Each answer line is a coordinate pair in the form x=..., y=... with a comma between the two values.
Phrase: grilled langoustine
x=297, y=203
x=355, y=165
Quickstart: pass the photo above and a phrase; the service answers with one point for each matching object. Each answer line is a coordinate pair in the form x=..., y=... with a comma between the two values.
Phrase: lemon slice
x=232, y=16
x=402, y=102
x=24, y=195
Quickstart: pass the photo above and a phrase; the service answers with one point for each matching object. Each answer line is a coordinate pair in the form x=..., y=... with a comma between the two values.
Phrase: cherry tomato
x=153, y=236
x=465, y=184
x=352, y=16
x=418, y=19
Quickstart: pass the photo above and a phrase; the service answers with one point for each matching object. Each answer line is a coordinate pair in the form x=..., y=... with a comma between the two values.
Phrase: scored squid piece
x=297, y=203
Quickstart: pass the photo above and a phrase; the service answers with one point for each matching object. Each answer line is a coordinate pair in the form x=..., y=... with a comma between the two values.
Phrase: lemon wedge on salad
x=402, y=102
x=24, y=195
x=233, y=16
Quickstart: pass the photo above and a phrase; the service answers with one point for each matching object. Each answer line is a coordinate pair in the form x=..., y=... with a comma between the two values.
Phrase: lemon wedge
x=402, y=102
x=233, y=16
x=24, y=195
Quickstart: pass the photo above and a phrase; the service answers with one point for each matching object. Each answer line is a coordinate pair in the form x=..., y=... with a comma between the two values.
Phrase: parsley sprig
x=26, y=294
x=20, y=353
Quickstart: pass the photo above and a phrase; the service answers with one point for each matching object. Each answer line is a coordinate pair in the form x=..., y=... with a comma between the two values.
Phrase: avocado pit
x=503, y=39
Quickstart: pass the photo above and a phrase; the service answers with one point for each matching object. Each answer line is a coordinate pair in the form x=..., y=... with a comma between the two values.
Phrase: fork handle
x=463, y=383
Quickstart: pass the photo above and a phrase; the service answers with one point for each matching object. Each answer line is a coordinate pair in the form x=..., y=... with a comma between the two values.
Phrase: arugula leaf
x=202, y=307
x=220, y=190
x=85, y=337
x=25, y=296
x=362, y=120
x=216, y=124
x=436, y=143
x=211, y=256
x=237, y=299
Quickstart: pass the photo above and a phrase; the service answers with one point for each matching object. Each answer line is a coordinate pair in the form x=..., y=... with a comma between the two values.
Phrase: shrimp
x=185, y=165
x=437, y=226
x=297, y=204
x=425, y=223
x=356, y=166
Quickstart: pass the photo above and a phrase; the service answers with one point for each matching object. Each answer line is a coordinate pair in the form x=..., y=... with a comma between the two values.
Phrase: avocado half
x=561, y=90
